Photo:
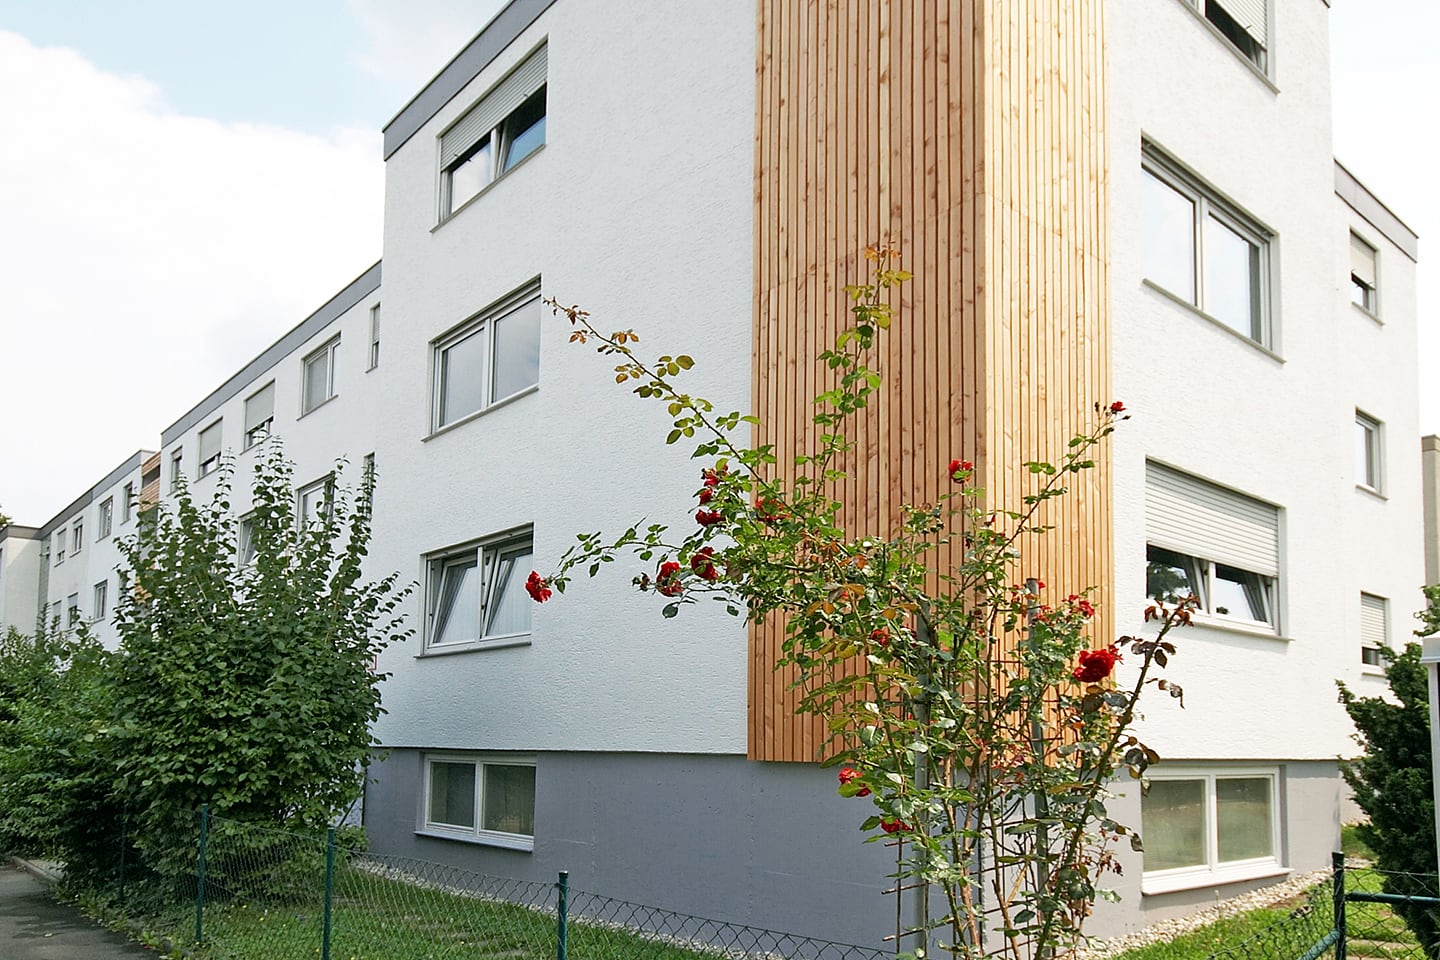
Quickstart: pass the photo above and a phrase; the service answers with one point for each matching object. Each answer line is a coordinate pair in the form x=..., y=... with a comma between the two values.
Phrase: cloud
x=145, y=256
x=407, y=44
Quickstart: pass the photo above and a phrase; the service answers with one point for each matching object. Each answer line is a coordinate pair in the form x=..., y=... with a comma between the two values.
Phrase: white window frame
x=58, y=536
x=1370, y=466
x=258, y=431
x=1208, y=203
x=77, y=538
x=1370, y=659
x=245, y=540
x=481, y=324
x=210, y=464
x=72, y=611
x=1214, y=871
x=1260, y=63
x=474, y=834
x=177, y=469
x=98, y=605
x=1369, y=291
x=464, y=138
x=327, y=353
x=486, y=553
x=1202, y=573
x=325, y=486
x=374, y=337
x=104, y=518
x=127, y=503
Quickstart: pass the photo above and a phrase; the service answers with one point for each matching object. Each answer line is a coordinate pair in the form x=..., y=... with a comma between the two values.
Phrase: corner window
x=493, y=356
x=503, y=128
x=210, y=449
x=1362, y=276
x=102, y=591
x=105, y=518
x=259, y=415
x=1367, y=452
x=489, y=800
x=319, y=376
x=1201, y=826
x=477, y=595
x=1374, y=629
x=1203, y=251
x=1215, y=544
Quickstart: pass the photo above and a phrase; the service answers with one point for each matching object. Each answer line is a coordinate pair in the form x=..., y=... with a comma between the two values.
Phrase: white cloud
x=145, y=256
x=408, y=44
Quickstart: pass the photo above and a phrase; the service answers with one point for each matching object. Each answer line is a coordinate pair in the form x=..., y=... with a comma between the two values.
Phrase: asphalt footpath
x=34, y=927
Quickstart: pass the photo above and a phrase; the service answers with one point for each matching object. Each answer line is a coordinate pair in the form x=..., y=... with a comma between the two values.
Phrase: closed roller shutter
x=499, y=103
x=1372, y=621
x=1191, y=516
x=1362, y=261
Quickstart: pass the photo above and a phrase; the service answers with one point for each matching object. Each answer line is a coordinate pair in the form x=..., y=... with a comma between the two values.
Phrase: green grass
x=1207, y=940
x=378, y=918
x=1351, y=845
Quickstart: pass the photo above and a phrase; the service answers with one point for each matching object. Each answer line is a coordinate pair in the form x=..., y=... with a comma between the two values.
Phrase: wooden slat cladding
x=971, y=134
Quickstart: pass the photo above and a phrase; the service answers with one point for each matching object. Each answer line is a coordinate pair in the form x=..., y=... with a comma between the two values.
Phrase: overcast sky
x=181, y=183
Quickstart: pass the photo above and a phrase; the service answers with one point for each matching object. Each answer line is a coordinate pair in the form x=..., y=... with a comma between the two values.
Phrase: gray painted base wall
x=767, y=844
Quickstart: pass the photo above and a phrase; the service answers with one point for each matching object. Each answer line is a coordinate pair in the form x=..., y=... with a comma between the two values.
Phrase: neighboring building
x=20, y=577
x=1430, y=458
x=1099, y=200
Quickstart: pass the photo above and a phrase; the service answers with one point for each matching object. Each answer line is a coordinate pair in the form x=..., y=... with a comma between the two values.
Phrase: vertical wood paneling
x=971, y=133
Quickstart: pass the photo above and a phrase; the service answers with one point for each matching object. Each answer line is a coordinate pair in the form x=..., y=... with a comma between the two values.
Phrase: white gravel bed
x=1165, y=930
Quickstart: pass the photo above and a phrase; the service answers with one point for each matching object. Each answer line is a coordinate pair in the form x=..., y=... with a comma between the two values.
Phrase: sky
x=181, y=183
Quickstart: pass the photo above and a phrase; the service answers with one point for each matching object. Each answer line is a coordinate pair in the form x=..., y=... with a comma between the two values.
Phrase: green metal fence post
x=329, y=890
x=562, y=915
x=1338, y=893
x=200, y=874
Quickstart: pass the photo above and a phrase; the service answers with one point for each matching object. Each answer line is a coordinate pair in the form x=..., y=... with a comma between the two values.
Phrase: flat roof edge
x=1359, y=198
x=352, y=293
x=497, y=35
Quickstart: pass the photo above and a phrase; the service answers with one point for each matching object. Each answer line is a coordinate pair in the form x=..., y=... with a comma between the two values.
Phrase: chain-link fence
x=263, y=894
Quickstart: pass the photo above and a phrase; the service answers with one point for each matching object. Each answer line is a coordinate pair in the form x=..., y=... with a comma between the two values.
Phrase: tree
x=1392, y=779
x=966, y=706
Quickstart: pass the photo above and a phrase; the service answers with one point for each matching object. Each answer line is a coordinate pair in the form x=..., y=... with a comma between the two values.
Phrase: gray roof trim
x=19, y=532
x=1379, y=216
x=355, y=291
x=131, y=464
x=512, y=20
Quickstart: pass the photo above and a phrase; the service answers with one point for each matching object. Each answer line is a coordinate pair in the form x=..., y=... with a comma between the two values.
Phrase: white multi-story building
x=1127, y=199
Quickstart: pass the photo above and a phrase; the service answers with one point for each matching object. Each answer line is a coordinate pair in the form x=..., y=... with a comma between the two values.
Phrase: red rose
x=1096, y=665
x=881, y=636
x=895, y=826
x=705, y=494
x=667, y=581
x=1117, y=407
x=850, y=773
x=538, y=589
x=712, y=477
x=706, y=517
x=960, y=469
x=703, y=563
x=1085, y=608
x=769, y=510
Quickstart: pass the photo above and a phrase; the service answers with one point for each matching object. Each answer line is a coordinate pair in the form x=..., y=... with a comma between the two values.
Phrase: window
x=319, y=385
x=72, y=608
x=55, y=614
x=477, y=595
x=259, y=414
x=127, y=502
x=374, y=336
x=104, y=519
x=1367, y=452
x=59, y=536
x=1198, y=823
x=315, y=500
x=1203, y=251
x=490, y=800
x=1218, y=545
x=1374, y=629
x=102, y=589
x=492, y=137
x=1362, y=275
x=367, y=479
x=177, y=477
x=77, y=538
x=493, y=356
x=1242, y=22
x=210, y=449
x=245, y=546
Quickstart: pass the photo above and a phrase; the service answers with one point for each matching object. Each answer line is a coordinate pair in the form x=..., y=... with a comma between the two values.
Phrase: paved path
x=35, y=927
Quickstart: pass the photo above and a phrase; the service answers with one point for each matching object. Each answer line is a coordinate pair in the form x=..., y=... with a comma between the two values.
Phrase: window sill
x=1259, y=631
x=319, y=406
x=1245, y=61
x=1363, y=488
x=1368, y=671
x=1225, y=327
x=446, y=218
x=469, y=417
x=499, y=643
x=1198, y=879
x=1368, y=314
x=504, y=841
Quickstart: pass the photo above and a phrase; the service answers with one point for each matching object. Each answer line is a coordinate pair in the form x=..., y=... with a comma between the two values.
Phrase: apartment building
x=1127, y=199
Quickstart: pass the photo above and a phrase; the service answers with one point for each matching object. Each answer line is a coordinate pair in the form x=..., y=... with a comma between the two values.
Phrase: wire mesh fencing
x=1390, y=914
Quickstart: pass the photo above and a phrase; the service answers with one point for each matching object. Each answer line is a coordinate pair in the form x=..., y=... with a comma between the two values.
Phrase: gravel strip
x=1170, y=929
